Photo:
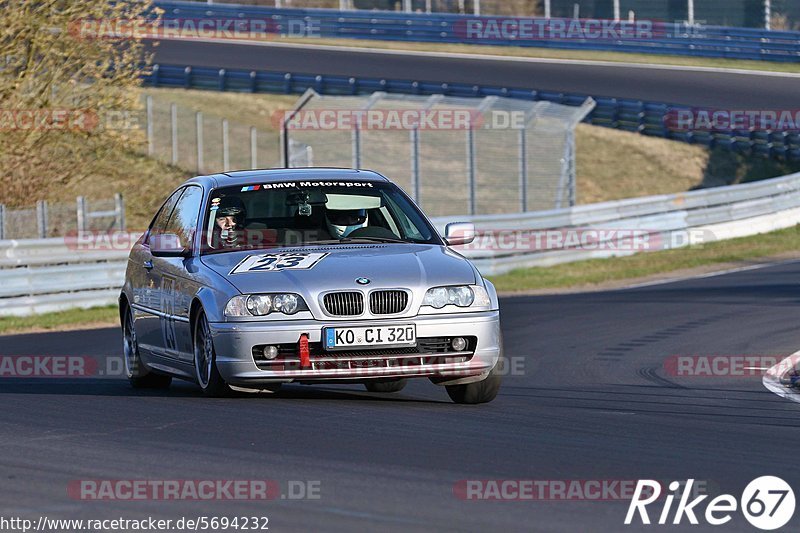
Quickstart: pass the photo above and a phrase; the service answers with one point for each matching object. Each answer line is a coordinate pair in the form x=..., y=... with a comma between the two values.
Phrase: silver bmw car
x=257, y=278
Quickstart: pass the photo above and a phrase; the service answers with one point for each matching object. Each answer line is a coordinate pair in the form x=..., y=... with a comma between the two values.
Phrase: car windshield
x=301, y=213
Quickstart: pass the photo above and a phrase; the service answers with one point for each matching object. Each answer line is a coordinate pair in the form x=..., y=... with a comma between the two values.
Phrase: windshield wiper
x=348, y=240
x=374, y=239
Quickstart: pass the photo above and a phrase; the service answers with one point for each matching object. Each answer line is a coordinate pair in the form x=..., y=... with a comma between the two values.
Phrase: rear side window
x=159, y=224
x=183, y=221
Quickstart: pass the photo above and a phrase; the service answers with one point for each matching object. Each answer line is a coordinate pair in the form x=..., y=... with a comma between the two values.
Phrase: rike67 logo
x=767, y=503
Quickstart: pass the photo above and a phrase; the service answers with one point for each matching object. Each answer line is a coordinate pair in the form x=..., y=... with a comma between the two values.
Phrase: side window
x=183, y=221
x=410, y=229
x=389, y=220
x=159, y=223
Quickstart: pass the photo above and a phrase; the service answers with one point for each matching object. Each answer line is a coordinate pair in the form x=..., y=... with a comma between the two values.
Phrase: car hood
x=411, y=266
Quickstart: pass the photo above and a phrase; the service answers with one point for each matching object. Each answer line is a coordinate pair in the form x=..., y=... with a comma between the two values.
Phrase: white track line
x=772, y=378
x=708, y=274
x=489, y=57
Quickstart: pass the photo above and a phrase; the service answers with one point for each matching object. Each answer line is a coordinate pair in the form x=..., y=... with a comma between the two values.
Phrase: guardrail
x=51, y=219
x=648, y=118
x=666, y=221
x=43, y=275
x=665, y=38
x=46, y=274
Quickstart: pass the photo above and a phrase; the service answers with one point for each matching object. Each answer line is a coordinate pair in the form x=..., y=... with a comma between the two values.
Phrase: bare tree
x=60, y=78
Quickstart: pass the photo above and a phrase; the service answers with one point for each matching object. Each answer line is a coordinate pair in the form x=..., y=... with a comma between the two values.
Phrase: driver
x=342, y=223
x=229, y=223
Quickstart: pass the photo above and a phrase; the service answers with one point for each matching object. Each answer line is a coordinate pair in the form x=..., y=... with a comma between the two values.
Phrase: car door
x=176, y=279
x=146, y=283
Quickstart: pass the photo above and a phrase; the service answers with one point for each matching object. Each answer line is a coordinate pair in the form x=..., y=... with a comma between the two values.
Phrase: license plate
x=370, y=337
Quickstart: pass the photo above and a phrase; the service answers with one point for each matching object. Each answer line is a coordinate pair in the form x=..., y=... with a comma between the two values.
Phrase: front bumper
x=234, y=341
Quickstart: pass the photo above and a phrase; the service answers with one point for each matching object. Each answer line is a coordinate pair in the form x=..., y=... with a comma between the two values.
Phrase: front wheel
x=386, y=386
x=139, y=376
x=483, y=391
x=205, y=360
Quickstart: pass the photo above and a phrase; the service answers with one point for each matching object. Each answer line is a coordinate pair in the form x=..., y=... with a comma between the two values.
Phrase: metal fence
x=202, y=143
x=664, y=38
x=648, y=118
x=452, y=155
x=56, y=220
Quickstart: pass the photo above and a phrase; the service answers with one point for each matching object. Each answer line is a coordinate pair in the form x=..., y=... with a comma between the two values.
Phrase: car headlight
x=259, y=304
x=263, y=304
x=460, y=296
x=286, y=303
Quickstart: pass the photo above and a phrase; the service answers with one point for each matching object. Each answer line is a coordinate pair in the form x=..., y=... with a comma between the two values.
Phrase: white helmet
x=342, y=223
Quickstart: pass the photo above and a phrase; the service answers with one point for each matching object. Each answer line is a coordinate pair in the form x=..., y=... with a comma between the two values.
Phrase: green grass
x=598, y=271
x=60, y=320
x=548, y=53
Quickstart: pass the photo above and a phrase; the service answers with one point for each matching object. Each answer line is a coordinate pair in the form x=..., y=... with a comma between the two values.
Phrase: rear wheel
x=386, y=386
x=479, y=392
x=139, y=376
x=205, y=360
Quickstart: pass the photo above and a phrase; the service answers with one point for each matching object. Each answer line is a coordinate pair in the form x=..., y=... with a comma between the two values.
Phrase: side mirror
x=168, y=245
x=457, y=233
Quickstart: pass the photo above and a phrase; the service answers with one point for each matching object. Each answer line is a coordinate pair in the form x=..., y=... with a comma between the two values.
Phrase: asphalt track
x=591, y=400
x=726, y=90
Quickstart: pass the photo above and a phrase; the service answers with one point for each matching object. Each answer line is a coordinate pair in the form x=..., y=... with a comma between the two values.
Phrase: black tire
x=483, y=391
x=386, y=386
x=205, y=360
x=139, y=376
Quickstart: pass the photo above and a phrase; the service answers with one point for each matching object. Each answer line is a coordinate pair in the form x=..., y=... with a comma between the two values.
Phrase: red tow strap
x=305, y=357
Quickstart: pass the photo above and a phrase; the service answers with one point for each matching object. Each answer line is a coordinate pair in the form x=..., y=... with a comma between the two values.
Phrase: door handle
x=148, y=265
